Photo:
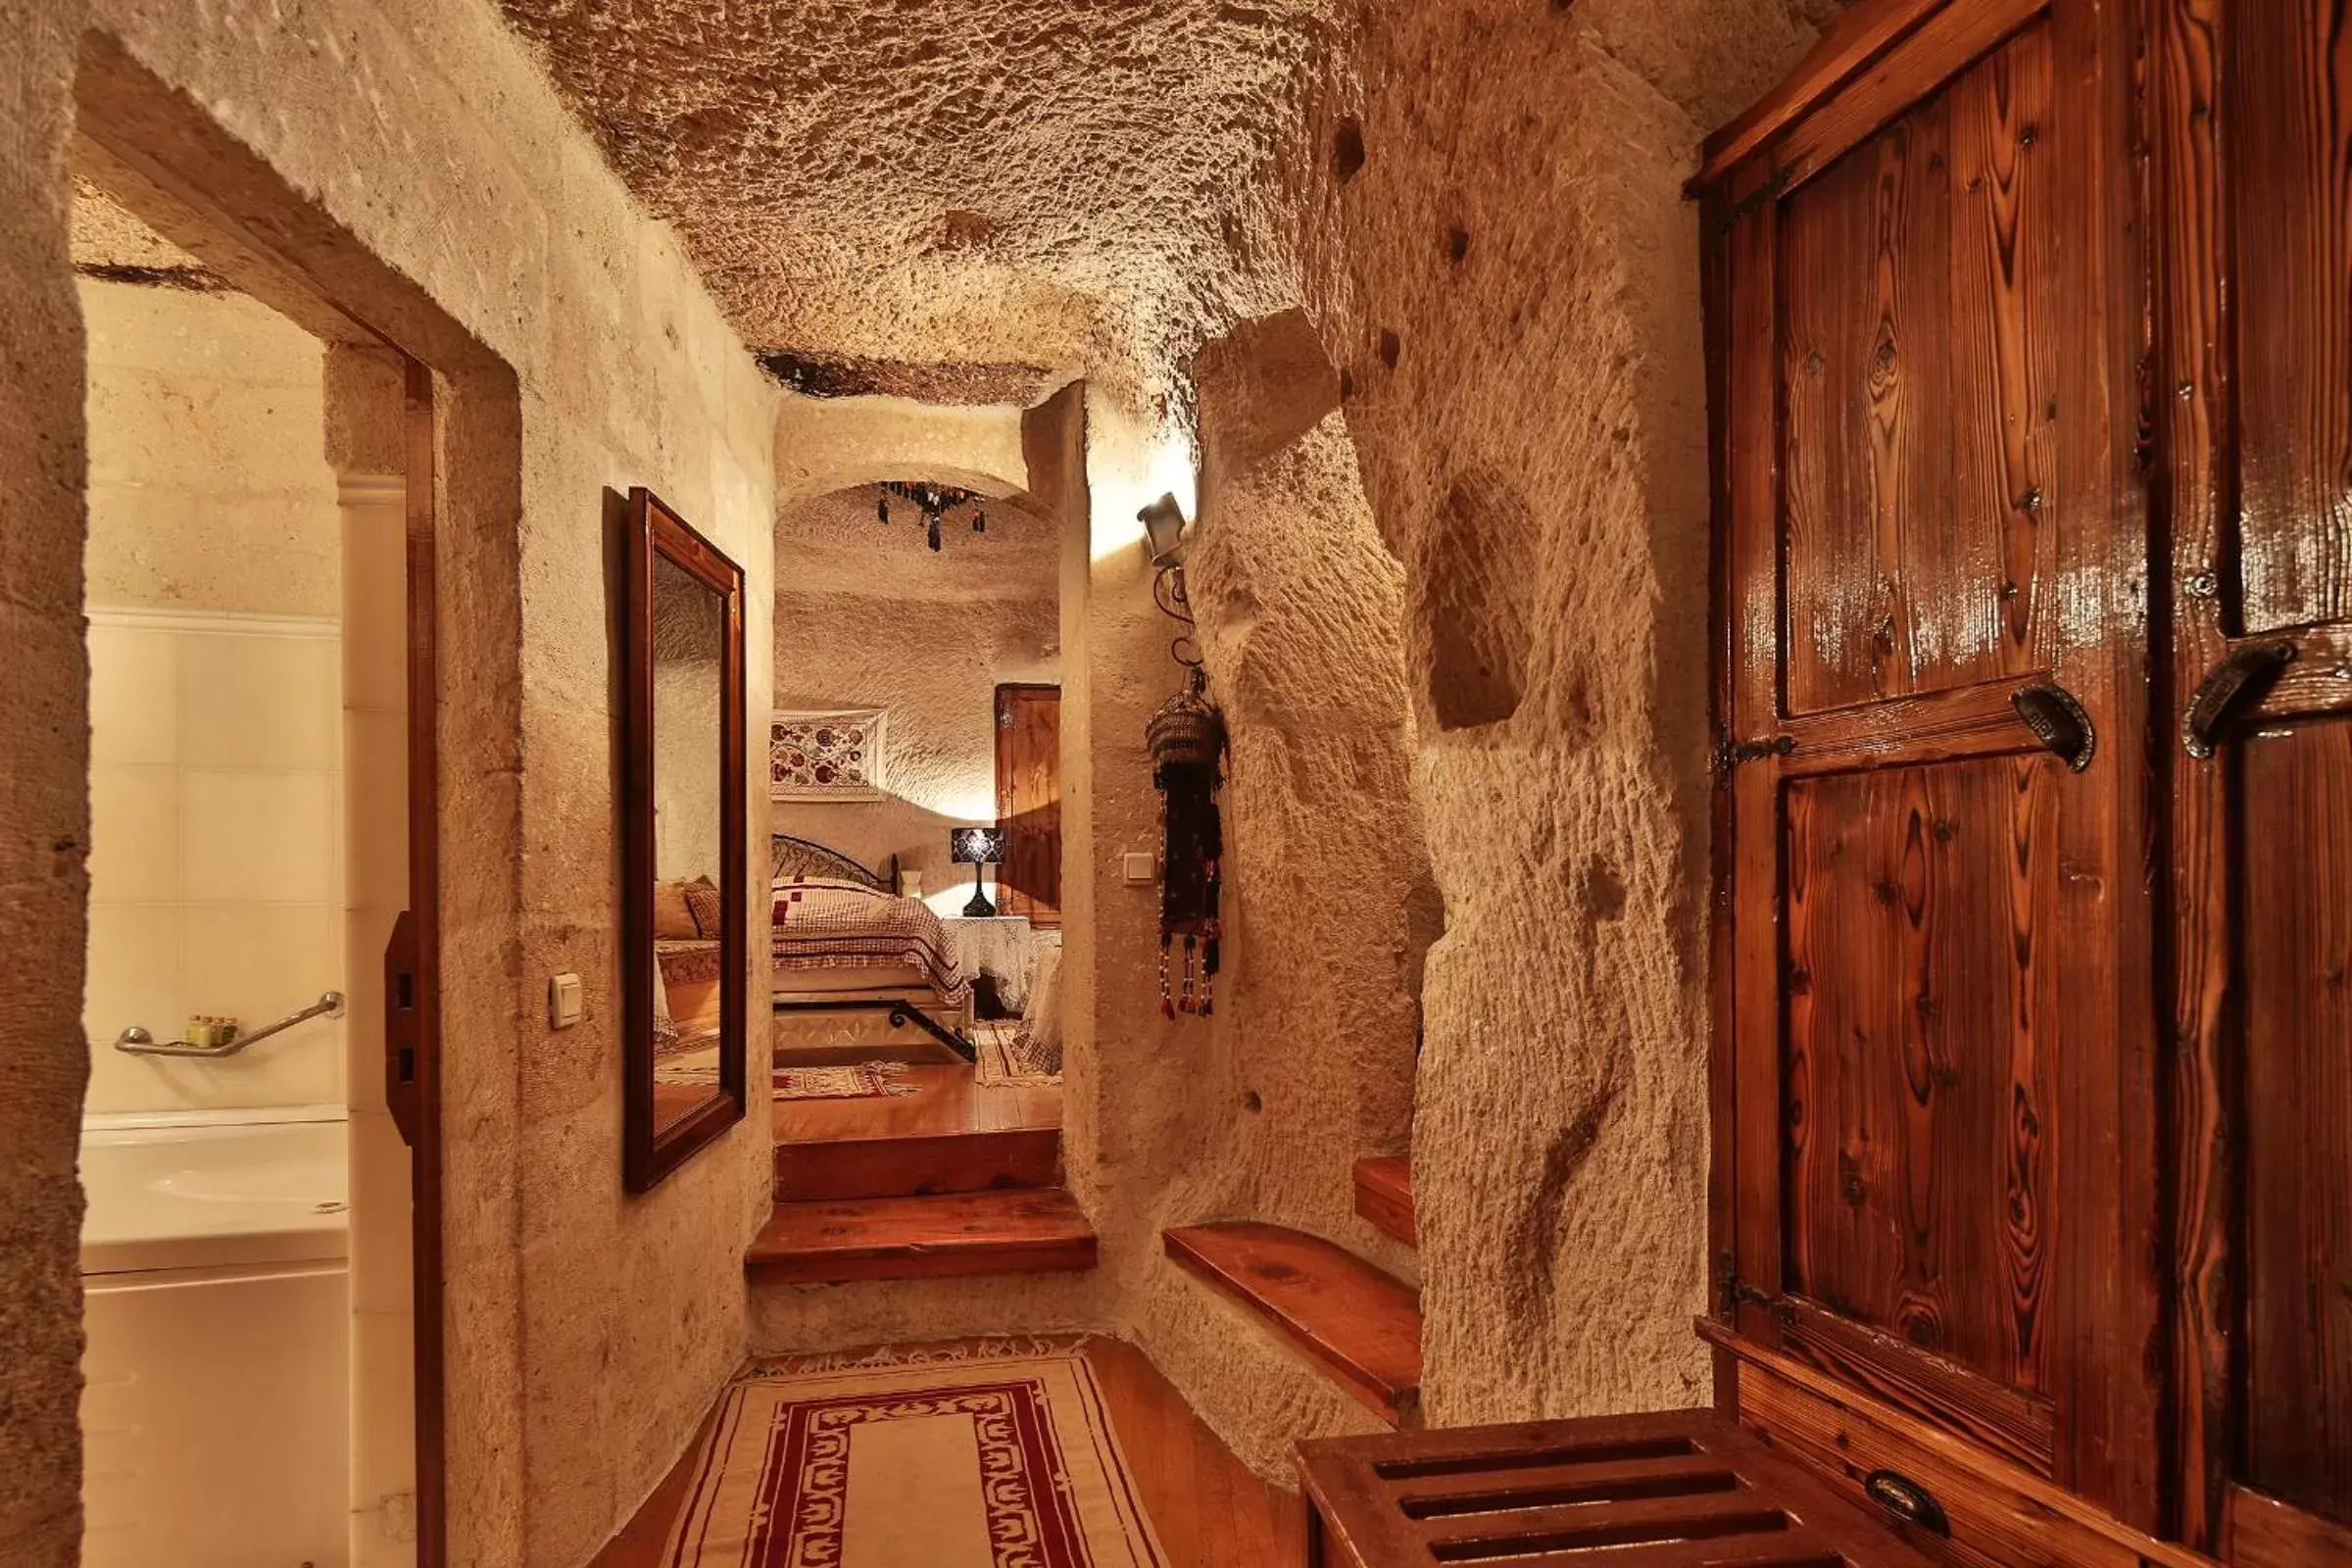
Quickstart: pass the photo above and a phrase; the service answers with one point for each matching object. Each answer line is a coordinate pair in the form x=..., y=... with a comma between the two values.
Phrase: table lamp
x=977, y=848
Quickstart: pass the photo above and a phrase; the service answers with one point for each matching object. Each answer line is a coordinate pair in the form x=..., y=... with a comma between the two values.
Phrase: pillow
x=825, y=884
x=674, y=919
x=703, y=903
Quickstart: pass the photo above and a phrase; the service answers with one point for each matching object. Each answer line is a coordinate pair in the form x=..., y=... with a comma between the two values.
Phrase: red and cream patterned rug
x=858, y=1081
x=1004, y=1462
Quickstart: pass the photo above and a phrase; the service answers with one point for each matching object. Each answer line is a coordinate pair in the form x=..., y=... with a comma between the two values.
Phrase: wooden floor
x=1208, y=1509
x=946, y=1100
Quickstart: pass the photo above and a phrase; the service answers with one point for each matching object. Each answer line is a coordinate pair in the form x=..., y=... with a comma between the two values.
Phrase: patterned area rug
x=1004, y=1462
x=999, y=1064
x=858, y=1081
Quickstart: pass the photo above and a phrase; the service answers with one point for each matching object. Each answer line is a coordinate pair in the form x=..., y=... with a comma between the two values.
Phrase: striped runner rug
x=1005, y=1462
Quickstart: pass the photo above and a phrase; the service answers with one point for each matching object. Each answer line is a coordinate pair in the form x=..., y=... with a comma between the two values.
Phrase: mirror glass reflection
x=689, y=646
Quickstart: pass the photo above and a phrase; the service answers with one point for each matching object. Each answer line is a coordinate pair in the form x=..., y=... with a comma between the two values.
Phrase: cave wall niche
x=1508, y=276
x=1472, y=599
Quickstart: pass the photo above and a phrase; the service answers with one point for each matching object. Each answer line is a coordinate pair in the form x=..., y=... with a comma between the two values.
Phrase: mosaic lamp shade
x=976, y=846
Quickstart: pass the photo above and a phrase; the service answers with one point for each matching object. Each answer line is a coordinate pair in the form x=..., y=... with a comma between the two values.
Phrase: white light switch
x=563, y=1000
x=1138, y=869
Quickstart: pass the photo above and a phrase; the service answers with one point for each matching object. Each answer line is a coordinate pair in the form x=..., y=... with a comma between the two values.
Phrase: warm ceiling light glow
x=1126, y=478
x=1171, y=473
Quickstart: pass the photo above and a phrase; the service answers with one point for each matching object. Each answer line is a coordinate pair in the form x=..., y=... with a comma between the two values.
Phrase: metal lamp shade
x=976, y=846
x=1164, y=530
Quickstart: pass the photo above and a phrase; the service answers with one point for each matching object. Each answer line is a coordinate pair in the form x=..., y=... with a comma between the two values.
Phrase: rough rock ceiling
x=1046, y=186
x=835, y=544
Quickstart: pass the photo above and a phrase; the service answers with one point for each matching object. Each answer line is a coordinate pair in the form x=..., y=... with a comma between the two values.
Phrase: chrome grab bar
x=139, y=1042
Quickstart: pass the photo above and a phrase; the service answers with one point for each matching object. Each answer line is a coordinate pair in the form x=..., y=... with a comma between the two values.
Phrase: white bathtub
x=190, y=1189
x=215, y=1401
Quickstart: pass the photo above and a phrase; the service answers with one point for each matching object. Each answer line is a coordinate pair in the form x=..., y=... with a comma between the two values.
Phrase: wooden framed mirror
x=683, y=897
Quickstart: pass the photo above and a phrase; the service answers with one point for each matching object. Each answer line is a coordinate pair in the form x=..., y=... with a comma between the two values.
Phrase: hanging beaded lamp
x=934, y=501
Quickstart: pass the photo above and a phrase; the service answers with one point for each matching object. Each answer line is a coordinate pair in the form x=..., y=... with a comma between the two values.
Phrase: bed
x=847, y=948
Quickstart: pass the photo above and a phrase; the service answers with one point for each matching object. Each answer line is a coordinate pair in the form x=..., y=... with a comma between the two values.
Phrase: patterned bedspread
x=833, y=925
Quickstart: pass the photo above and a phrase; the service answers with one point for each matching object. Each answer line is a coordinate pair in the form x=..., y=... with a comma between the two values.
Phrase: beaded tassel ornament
x=1187, y=740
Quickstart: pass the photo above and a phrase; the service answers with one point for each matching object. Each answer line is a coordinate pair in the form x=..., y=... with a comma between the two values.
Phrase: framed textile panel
x=826, y=757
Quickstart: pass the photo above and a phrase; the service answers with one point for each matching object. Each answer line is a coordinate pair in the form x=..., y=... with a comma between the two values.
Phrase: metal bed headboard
x=790, y=856
x=796, y=857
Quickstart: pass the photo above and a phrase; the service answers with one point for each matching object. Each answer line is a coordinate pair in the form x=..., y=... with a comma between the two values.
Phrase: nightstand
x=1000, y=948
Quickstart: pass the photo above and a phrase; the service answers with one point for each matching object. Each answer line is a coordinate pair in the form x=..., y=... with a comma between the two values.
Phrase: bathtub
x=216, y=1399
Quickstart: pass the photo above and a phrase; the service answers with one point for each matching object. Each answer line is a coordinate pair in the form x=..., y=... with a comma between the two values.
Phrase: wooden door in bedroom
x=1029, y=801
x=1941, y=1186
x=2252, y=108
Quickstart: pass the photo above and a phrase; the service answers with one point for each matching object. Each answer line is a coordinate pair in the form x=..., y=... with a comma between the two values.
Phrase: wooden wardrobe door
x=1942, y=1172
x=2253, y=115
x=1029, y=801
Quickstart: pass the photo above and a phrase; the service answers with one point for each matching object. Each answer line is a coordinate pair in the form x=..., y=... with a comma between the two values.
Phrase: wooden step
x=1361, y=1325
x=912, y=1167
x=1033, y=1231
x=1384, y=1195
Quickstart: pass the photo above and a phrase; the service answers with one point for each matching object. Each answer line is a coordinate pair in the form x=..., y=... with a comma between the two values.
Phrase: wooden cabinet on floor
x=2030, y=362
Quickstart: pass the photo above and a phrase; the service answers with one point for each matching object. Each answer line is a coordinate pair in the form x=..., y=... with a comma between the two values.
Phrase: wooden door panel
x=1028, y=726
x=2296, y=968
x=2290, y=172
x=1919, y=1067
x=1941, y=1052
x=1920, y=376
x=2252, y=136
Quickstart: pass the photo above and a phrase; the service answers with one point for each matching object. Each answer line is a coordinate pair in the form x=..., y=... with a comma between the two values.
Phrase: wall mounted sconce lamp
x=1164, y=539
x=1163, y=523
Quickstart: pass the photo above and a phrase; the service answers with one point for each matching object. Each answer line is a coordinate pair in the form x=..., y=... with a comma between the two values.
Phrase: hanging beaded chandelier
x=934, y=501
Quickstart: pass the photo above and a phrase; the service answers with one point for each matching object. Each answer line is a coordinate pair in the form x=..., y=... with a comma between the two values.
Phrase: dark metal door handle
x=1749, y=1296
x=1906, y=1499
x=2240, y=677
x=2058, y=722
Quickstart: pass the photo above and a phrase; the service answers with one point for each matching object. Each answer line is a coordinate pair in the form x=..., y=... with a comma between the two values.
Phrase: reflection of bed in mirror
x=685, y=895
x=860, y=973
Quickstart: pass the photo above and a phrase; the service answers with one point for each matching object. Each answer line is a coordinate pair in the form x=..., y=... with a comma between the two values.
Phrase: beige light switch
x=563, y=1000
x=1138, y=869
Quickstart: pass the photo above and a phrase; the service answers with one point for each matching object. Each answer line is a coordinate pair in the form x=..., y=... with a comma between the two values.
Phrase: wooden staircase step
x=1022, y=1231
x=1359, y=1323
x=917, y=1165
x=1384, y=1195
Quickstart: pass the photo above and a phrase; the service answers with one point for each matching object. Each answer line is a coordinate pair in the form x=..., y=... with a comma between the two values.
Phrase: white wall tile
x=366, y=933
x=250, y=835
x=256, y=963
x=133, y=971
x=381, y=1174
x=254, y=702
x=375, y=589
x=134, y=833
x=375, y=781
x=134, y=712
